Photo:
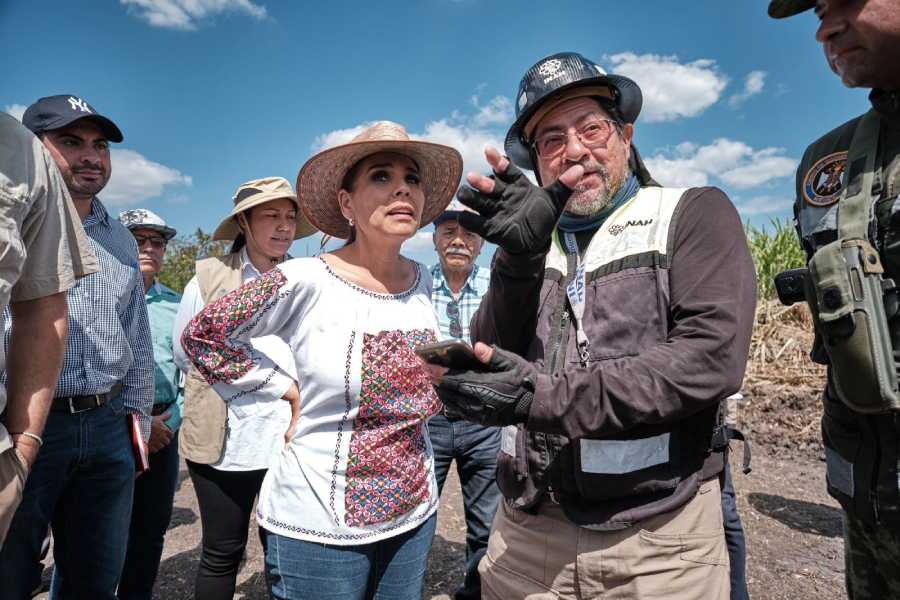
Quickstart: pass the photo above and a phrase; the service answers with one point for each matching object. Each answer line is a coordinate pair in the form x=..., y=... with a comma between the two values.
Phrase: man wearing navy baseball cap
x=69, y=126
x=56, y=112
x=82, y=485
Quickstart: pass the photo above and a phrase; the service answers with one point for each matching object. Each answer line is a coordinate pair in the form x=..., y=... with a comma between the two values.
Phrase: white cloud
x=497, y=112
x=186, y=15
x=337, y=137
x=763, y=205
x=421, y=242
x=734, y=163
x=753, y=85
x=469, y=140
x=136, y=178
x=671, y=90
x=467, y=133
x=16, y=110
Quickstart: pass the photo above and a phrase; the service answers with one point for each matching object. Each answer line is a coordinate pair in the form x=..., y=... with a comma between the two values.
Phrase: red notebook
x=141, y=456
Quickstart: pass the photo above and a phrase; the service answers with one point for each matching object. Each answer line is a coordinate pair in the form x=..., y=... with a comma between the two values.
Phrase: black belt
x=78, y=404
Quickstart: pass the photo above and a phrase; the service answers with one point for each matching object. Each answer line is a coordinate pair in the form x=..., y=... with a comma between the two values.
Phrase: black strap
x=737, y=434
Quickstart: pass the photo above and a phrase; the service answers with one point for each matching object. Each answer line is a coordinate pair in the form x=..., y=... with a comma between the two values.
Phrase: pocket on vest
x=204, y=415
x=608, y=469
x=623, y=314
x=512, y=464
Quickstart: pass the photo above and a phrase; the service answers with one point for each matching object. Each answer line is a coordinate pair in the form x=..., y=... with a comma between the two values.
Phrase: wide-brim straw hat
x=256, y=192
x=319, y=180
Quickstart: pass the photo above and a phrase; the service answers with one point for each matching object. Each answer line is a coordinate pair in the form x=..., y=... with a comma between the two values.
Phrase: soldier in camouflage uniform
x=861, y=41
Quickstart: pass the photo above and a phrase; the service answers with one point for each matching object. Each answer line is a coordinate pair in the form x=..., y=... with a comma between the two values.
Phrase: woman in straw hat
x=349, y=507
x=227, y=470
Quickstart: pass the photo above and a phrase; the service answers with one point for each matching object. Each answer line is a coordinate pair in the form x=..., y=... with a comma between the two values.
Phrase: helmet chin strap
x=251, y=241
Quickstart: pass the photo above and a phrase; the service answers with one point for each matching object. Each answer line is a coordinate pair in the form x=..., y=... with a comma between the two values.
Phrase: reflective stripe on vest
x=616, y=457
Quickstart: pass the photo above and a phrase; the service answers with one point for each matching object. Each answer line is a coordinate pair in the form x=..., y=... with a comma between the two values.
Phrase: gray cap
x=141, y=218
x=452, y=212
x=779, y=9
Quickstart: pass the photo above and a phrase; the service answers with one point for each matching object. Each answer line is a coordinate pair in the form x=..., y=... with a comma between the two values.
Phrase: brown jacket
x=671, y=295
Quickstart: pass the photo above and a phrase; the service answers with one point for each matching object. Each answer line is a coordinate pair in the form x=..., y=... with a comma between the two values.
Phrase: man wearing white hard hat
x=154, y=490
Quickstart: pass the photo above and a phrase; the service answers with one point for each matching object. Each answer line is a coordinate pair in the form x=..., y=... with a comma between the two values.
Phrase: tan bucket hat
x=440, y=168
x=256, y=192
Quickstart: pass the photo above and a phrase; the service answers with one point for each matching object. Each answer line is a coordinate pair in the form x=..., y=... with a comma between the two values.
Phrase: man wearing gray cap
x=154, y=491
x=458, y=286
x=83, y=480
x=620, y=314
x=848, y=185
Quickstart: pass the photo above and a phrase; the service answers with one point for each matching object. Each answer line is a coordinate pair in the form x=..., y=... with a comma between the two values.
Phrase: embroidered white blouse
x=250, y=443
x=360, y=467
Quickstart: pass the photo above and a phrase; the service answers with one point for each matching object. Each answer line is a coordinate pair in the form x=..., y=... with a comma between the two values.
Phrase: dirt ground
x=793, y=527
x=793, y=533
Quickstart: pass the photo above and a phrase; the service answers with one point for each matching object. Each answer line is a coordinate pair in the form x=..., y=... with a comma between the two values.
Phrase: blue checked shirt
x=469, y=298
x=109, y=332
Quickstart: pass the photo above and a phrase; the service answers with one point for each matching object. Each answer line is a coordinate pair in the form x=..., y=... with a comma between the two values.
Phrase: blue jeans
x=734, y=539
x=475, y=449
x=154, y=494
x=81, y=485
x=391, y=569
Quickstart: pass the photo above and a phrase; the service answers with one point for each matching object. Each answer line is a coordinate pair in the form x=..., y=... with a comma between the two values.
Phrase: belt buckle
x=75, y=411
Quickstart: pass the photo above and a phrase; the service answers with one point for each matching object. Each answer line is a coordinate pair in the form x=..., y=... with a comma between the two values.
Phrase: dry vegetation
x=782, y=386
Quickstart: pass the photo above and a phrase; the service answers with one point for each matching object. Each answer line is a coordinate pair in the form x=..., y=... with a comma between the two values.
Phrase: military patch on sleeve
x=823, y=182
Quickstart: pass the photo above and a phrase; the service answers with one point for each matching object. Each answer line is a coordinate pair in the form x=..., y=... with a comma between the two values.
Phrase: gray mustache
x=459, y=251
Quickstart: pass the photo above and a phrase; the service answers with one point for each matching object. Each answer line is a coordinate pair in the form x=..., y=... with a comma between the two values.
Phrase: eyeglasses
x=155, y=241
x=453, y=315
x=593, y=134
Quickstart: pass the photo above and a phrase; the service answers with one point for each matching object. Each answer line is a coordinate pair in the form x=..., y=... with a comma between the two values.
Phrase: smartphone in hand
x=454, y=354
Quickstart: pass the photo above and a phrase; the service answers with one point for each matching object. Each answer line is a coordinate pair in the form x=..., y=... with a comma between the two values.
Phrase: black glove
x=499, y=395
x=518, y=215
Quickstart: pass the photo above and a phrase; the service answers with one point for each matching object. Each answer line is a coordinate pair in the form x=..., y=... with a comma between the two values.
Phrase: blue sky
x=210, y=93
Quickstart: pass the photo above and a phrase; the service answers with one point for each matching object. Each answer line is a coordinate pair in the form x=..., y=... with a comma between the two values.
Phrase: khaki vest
x=205, y=415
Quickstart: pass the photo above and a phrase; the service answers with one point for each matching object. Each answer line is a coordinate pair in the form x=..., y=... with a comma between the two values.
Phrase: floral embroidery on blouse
x=206, y=338
x=387, y=468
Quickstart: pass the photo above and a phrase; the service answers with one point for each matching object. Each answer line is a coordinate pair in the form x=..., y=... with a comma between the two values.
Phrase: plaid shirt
x=109, y=332
x=469, y=298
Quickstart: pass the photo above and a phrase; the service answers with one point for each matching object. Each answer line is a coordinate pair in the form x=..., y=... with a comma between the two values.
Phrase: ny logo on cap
x=79, y=104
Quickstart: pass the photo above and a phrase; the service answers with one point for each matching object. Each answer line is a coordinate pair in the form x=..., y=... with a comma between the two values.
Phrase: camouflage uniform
x=871, y=557
x=862, y=451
